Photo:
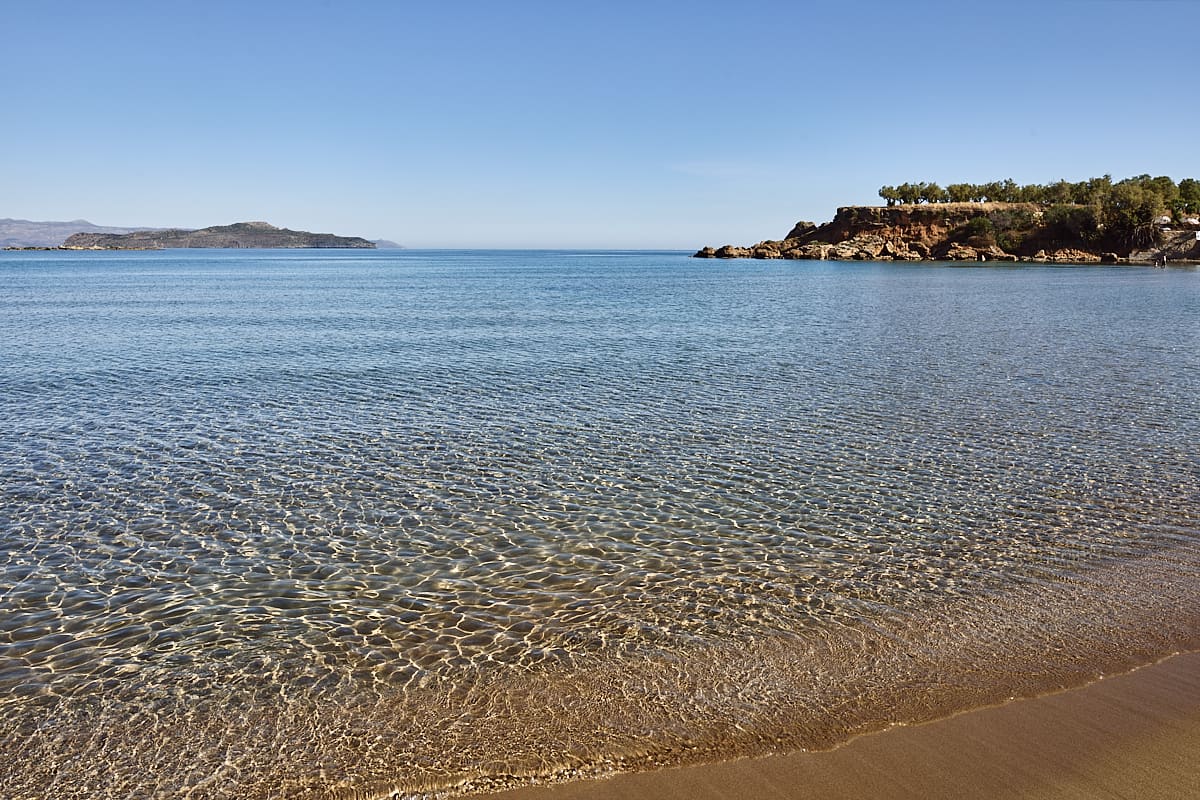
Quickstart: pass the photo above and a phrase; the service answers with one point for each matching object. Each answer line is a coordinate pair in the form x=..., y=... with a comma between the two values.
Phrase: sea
x=401, y=524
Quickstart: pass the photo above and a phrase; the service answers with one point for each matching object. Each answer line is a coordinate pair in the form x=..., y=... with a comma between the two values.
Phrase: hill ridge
x=256, y=235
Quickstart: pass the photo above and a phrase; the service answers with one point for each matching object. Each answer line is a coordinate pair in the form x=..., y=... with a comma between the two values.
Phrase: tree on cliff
x=960, y=192
x=1069, y=224
x=1180, y=198
x=932, y=193
x=1093, y=191
x=914, y=193
x=1189, y=197
x=909, y=192
x=1131, y=210
x=1059, y=193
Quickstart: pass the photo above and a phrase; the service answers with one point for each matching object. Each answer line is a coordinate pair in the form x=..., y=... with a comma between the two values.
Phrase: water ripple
x=353, y=501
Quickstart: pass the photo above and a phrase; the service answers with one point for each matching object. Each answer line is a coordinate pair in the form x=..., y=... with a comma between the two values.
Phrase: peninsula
x=238, y=235
x=1136, y=220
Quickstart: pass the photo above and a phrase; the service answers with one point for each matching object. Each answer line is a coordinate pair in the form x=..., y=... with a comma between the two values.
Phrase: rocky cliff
x=942, y=232
x=241, y=234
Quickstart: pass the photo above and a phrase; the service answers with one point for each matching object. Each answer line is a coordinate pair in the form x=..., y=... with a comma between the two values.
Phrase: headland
x=1140, y=220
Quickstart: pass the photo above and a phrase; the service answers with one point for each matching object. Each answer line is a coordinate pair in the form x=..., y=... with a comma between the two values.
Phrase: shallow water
x=337, y=524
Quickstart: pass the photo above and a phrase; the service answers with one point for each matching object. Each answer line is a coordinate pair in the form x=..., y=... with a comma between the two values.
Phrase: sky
x=570, y=124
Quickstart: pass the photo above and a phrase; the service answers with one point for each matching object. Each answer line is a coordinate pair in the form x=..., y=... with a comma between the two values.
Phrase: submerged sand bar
x=1135, y=735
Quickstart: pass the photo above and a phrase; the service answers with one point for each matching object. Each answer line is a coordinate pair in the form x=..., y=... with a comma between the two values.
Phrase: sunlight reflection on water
x=244, y=491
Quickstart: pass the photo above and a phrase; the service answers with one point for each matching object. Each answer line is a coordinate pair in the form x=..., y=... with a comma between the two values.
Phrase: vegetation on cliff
x=1180, y=198
x=1095, y=212
x=238, y=235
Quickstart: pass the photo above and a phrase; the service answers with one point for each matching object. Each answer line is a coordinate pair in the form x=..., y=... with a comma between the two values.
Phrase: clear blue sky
x=548, y=124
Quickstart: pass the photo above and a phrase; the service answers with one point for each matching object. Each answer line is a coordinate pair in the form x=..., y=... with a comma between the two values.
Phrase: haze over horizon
x=537, y=124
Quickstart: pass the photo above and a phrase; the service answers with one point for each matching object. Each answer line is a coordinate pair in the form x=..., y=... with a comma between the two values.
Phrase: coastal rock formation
x=973, y=232
x=728, y=251
x=1067, y=255
x=238, y=235
x=896, y=233
x=960, y=252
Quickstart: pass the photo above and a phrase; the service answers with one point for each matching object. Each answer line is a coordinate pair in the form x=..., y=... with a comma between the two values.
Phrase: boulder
x=865, y=247
x=841, y=252
x=729, y=251
x=766, y=250
x=994, y=253
x=705, y=252
x=814, y=251
x=1070, y=256
x=898, y=251
x=960, y=252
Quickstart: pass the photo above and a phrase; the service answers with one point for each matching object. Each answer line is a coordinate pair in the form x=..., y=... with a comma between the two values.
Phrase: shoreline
x=1133, y=734
x=983, y=260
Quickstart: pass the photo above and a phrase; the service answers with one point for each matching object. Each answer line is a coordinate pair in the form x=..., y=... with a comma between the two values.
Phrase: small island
x=238, y=235
x=1141, y=220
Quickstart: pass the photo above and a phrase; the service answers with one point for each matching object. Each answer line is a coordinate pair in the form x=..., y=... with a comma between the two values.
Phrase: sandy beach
x=1127, y=736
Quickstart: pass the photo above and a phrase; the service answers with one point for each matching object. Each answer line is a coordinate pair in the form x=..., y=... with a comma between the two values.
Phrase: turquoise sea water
x=346, y=524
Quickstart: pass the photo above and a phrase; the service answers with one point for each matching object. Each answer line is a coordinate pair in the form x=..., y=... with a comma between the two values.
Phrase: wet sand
x=1132, y=735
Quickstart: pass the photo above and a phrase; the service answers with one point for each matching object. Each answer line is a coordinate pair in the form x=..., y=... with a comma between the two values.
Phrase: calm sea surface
x=342, y=524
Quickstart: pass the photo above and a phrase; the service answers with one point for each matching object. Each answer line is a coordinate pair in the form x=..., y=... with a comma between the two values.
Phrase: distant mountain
x=385, y=244
x=27, y=233
x=240, y=234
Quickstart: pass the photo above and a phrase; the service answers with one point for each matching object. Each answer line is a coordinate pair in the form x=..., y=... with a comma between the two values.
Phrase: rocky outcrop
x=801, y=229
x=1067, y=255
x=728, y=251
x=960, y=252
x=974, y=232
x=238, y=235
x=928, y=225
